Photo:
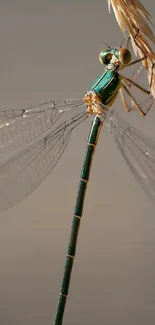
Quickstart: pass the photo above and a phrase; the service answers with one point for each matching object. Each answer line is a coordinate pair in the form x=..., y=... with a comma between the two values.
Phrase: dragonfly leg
x=133, y=100
x=153, y=64
x=136, y=85
x=127, y=109
x=150, y=84
x=136, y=61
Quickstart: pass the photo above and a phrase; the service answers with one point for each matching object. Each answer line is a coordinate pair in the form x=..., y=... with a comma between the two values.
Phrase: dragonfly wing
x=20, y=127
x=137, y=150
x=22, y=173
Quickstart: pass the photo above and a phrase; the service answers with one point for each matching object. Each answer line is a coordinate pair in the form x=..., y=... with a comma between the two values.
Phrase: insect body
x=99, y=98
x=109, y=83
x=33, y=140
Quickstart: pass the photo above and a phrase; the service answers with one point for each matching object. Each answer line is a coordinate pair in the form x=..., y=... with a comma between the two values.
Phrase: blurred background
x=49, y=51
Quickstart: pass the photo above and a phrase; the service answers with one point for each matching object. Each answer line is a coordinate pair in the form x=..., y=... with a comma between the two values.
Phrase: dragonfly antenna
x=122, y=42
x=106, y=45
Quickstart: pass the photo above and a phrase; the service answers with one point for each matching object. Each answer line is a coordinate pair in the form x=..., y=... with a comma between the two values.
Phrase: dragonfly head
x=119, y=57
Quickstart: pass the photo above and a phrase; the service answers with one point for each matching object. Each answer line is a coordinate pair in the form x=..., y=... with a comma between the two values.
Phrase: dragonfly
x=32, y=141
x=136, y=21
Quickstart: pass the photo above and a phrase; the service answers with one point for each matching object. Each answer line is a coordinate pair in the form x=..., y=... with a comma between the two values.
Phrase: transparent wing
x=137, y=150
x=19, y=127
x=21, y=173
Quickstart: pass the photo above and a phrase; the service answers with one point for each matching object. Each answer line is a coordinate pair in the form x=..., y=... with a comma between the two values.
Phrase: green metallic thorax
x=107, y=86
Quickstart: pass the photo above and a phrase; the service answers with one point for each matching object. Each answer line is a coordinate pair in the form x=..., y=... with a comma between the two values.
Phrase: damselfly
x=33, y=140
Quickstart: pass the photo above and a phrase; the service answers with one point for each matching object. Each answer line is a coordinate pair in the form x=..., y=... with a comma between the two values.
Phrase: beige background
x=49, y=50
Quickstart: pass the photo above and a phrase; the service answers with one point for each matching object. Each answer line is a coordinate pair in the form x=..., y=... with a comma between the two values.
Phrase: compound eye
x=105, y=57
x=124, y=56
